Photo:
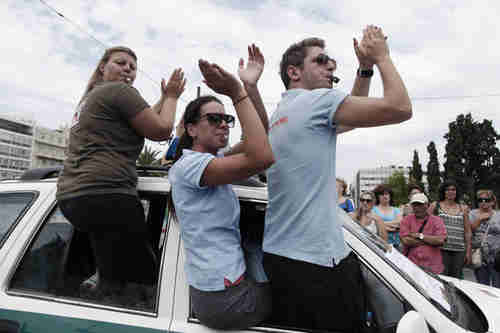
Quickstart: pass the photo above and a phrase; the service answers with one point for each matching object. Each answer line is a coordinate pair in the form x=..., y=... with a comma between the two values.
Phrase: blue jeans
x=488, y=275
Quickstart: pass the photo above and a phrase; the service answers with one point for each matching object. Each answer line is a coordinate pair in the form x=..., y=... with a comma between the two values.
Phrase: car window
x=12, y=208
x=60, y=259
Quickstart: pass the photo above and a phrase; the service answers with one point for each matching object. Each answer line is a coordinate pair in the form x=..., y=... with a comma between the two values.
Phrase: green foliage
x=416, y=173
x=472, y=155
x=433, y=174
x=397, y=182
x=148, y=157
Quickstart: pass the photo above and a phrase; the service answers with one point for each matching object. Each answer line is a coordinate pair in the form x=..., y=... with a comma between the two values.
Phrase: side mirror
x=412, y=322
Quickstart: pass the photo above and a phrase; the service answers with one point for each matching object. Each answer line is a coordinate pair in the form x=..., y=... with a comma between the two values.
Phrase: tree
x=416, y=172
x=471, y=154
x=433, y=174
x=397, y=182
x=148, y=157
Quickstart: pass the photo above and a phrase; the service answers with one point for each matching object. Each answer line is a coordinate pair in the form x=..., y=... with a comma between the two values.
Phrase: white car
x=43, y=259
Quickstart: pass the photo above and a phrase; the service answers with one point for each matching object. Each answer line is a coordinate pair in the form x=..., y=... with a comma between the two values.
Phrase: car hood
x=486, y=298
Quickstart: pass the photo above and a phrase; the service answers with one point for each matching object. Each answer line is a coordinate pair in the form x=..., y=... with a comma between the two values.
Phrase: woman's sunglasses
x=365, y=200
x=484, y=200
x=217, y=118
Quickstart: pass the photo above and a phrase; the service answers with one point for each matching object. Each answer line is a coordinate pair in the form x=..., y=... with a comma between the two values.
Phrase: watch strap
x=365, y=72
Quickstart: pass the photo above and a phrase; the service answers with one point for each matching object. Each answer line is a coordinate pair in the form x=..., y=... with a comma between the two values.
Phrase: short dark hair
x=381, y=189
x=444, y=186
x=295, y=55
x=412, y=187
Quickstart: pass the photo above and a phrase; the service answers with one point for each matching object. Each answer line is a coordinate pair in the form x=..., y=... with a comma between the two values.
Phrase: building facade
x=16, y=143
x=368, y=179
x=23, y=146
x=49, y=147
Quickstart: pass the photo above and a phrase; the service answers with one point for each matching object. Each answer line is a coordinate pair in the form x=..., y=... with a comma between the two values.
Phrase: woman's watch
x=421, y=236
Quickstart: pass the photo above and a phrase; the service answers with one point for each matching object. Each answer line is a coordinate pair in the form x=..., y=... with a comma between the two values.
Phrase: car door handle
x=9, y=326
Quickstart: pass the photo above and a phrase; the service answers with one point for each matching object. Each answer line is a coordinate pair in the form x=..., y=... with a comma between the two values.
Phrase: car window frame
x=81, y=303
x=26, y=208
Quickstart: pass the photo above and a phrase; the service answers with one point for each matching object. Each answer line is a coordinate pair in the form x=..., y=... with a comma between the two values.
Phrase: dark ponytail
x=191, y=115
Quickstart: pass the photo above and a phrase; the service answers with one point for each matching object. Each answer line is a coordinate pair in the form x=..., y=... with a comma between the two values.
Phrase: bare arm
x=413, y=240
x=255, y=67
x=256, y=152
x=382, y=231
x=361, y=85
x=467, y=234
x=394, y=107
x=158, y=126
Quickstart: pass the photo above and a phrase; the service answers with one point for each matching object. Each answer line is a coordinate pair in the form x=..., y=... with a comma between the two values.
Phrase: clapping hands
x=373, y=47
x=175, y=86
x=219, y=80
x=255, y=66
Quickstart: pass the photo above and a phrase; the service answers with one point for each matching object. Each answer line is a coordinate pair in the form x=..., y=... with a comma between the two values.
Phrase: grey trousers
x=235, y=308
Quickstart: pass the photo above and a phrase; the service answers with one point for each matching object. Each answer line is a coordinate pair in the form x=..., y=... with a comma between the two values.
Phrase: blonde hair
x=96, y=76
x=344, y=185
x=490, y=194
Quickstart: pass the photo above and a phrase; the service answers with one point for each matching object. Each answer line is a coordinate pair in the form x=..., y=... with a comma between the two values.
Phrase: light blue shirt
x=301, y=219
x=392, y=236
x=209, y=222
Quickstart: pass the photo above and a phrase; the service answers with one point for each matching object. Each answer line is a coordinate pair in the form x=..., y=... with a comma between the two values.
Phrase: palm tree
x=148, y=157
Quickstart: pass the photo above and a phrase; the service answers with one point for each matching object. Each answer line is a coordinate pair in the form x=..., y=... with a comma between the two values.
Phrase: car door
x=39, y=290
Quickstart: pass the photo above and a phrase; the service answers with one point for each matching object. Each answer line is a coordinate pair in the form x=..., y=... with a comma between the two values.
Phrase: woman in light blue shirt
x=223, y=294
x=390, y=215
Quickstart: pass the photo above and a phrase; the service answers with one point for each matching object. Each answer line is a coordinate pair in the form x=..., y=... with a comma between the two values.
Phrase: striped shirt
x=455, y=240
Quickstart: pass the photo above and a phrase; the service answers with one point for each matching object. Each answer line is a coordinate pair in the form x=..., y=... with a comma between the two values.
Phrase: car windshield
x=429, y=284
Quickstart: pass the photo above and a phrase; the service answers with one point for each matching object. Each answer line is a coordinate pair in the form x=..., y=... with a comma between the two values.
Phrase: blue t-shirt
x=300, y=221
x=347, y=206
x=172, y=148
x=392, y=236
x=209, y=222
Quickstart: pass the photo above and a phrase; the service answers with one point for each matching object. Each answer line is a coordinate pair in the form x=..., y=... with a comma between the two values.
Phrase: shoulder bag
x=477, y=257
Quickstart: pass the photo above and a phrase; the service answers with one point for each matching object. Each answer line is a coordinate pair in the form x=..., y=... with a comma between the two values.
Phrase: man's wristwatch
x=365, y=72
x=421, y=236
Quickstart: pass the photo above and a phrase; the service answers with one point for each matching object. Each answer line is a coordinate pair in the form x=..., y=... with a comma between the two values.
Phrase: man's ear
x=293, y=73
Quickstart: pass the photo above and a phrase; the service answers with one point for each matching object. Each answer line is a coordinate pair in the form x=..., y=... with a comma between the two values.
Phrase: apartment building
x=23, y=145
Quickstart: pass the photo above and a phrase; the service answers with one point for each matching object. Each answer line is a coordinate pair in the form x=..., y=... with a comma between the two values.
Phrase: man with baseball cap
x=422, y=235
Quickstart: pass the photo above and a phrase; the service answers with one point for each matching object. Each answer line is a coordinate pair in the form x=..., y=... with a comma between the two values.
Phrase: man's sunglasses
x=323, y=59
x=365, y=200
x=484, y=200
x=217, y=118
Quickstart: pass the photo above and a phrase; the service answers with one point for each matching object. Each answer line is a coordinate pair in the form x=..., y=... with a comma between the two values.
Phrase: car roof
x=150, y=179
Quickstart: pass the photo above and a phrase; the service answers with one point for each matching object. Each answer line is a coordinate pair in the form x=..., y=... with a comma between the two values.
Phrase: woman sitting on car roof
x=96, y=190
x=224, y=295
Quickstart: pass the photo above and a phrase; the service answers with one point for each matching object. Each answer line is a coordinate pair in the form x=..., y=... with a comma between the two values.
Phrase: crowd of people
x=440, y=236
x=303, y=257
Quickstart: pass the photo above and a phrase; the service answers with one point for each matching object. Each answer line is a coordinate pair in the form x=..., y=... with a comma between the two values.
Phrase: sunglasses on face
x=483, y=200
x=365, y=200
x=323, y=59
x=217, y=118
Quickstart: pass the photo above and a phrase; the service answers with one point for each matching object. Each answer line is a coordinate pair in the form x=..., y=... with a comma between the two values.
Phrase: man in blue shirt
x=316, y=281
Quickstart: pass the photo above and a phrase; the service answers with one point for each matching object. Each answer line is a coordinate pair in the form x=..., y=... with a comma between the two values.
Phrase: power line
x=81, y=29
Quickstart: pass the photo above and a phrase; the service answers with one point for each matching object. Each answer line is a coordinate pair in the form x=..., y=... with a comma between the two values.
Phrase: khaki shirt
x=103, y=146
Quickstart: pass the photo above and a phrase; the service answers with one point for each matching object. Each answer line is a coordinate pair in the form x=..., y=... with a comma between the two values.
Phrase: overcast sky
x=447, y=52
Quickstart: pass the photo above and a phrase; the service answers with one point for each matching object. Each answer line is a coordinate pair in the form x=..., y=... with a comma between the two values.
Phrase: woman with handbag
x=485, y=224
x=456, y=250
